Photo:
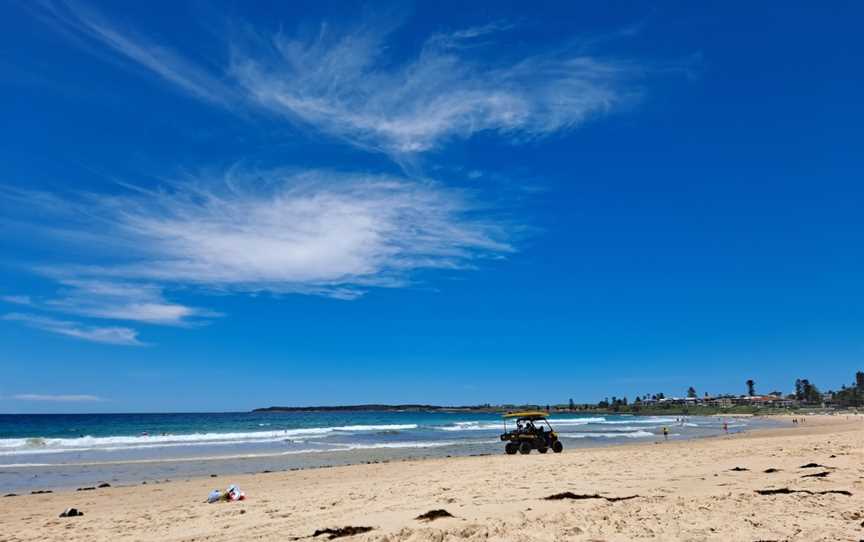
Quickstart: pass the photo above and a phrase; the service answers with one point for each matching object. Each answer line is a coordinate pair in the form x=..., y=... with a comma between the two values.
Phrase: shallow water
x=62, y=451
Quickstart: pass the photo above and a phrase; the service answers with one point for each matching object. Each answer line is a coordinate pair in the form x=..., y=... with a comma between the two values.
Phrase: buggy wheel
x=511, y=448
x=525, y=448
x=542, y=449
x=557, y=447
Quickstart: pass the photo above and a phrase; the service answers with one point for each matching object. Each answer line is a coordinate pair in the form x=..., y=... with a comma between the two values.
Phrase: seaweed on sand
x=787, y=491
x=432, y=515
x=339, y=532
x=576, y=496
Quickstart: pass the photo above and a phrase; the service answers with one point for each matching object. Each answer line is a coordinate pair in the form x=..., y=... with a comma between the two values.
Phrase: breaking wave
x=60, y=445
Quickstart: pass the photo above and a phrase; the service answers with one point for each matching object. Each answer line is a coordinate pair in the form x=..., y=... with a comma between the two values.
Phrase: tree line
x=805, y=393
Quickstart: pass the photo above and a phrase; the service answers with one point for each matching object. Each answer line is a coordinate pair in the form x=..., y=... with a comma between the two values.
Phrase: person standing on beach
x=726, y=428
x=666, y=433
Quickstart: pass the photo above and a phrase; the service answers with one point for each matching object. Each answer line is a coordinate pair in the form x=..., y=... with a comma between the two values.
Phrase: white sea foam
x=627, y=428
x=60, y=445
x=471, y=426
x=568, y=427
x=332, y=448
x=485, y=425
x=634, y=434
x=415, y=444
x=650, y=419
x=575, y=421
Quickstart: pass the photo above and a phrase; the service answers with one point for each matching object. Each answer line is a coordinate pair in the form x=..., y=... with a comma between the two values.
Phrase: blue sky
x=218, y=206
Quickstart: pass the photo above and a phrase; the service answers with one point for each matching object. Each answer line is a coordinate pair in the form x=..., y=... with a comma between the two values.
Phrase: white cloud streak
x=113, y=300
x=17, y=299
x=120, y=300
x=319, y=232
x=99, y=334
x=347, y=84
x=79, y=21
x=57, y=398
x=315, y=232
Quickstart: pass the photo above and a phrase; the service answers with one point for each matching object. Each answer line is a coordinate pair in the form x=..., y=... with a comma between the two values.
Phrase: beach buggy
x=532, y=432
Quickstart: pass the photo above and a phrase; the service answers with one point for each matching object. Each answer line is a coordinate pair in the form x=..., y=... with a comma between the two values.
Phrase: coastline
x=59, y=463
x=686, y=491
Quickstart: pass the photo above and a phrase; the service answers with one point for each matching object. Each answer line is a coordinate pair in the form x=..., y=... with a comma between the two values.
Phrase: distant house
x=721, y=401
x=763, y=401
x=727, y=401
x=673, y=401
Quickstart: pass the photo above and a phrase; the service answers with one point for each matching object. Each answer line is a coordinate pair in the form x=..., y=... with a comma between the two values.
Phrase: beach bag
x=234, y=493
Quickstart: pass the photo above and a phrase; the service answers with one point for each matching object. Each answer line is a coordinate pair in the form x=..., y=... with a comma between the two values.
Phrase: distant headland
x=378, y=408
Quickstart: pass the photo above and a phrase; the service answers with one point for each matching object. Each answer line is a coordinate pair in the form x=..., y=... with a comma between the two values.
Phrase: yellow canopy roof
x=531, y=414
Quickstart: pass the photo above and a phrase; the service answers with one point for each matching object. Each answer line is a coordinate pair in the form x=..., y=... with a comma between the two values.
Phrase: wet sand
x=685, y=490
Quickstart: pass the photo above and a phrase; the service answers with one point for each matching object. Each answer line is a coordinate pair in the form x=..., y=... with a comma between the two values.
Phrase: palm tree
x=751, y=388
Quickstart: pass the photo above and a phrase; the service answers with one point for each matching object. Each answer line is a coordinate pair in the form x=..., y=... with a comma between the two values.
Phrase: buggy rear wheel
x=557, y=447
x=542, y=449
x=525, y=448
x=511, y=448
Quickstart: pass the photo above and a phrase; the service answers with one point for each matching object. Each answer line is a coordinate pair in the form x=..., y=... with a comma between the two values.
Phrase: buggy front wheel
x=542, y=449
x=525, y=448
x=511, y=448
x=557, y=447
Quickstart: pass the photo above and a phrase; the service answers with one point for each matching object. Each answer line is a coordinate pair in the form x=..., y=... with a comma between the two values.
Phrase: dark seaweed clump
x=339, y=532
x=576, y=496
x=432, y=515
x=787, y=491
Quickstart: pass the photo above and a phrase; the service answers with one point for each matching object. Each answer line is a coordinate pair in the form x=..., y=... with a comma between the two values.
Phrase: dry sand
x=685, y=491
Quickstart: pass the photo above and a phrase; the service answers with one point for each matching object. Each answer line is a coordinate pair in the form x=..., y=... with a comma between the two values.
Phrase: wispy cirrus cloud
x=325, y=233
x=79, y=21
x=316, y=232
x=99, y=334
x=346, y=82
x=57, y=398
x=115, y=300
x=17, y=299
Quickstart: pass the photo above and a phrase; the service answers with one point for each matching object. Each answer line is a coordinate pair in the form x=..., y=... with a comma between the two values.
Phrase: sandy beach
x=704, y=489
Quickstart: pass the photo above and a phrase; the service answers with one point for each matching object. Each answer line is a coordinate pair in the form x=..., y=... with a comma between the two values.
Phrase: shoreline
x=28, y=476
x=685, y=490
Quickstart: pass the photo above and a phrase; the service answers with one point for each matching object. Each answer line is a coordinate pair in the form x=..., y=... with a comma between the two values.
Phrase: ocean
x=66, y=451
